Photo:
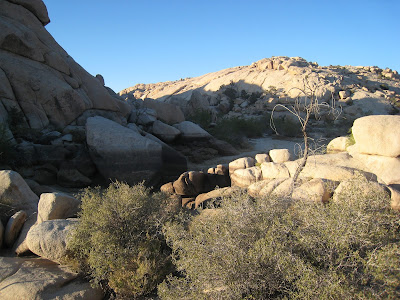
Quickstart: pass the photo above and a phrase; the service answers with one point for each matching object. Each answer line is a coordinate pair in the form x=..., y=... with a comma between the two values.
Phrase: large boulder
x=386, y=168
x=241, y=163
x=377, y=135
x=121, y=153
x=246, y=177
x=56, y=206
x=34, y=278
x=174, y=163
x=192, y=131
x=165, y=132
x=271, y=170
x=38, y=78
x=15, y=192
x=191, y=183
x=166, y=112
x=49, y=239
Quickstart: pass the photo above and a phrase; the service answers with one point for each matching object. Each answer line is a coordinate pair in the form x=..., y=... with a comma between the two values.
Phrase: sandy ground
x=260, y=145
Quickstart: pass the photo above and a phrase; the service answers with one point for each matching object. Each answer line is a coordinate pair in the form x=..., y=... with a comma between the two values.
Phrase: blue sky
x=148, y=41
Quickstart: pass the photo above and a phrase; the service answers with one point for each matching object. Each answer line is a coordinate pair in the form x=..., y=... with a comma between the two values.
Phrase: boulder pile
x=373, y=159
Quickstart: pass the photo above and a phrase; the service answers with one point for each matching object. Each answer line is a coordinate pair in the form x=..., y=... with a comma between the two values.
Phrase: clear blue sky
x=147, y=41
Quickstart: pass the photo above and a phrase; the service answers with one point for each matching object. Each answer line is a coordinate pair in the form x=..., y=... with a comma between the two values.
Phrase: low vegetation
x=273, y=248
x=265, y=248
x=118, y=241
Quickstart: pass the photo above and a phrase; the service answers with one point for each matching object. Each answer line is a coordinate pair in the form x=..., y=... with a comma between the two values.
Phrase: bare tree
x=306, y=105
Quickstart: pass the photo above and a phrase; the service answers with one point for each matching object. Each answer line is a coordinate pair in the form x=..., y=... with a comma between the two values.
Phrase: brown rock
x=13, y=228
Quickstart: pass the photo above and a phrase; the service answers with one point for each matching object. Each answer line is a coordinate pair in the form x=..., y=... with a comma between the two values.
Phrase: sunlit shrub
x=118, y=240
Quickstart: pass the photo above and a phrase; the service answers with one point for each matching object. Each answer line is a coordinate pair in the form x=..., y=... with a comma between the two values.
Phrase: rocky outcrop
x=15, y=193
x=56, y=206
x=49, y=239
x=249, y=90
x=42, y=279
x=38, y=78
x=121, y=153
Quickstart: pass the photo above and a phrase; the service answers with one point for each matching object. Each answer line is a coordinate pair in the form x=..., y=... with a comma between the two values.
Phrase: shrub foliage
x=270, y=248
x=118, y=240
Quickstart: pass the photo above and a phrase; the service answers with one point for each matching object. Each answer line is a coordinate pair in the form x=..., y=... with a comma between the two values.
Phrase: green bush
x=287, y=127
x=271, y=248
x=118, y=240
x=234, y=129
x=201, y=117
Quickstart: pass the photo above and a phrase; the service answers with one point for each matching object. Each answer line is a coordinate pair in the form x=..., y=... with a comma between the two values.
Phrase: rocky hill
x=255, y=89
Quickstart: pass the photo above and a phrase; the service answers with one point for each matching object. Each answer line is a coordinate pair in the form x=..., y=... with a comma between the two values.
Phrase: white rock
x=241, y=163
x=191, y=131
x=338, y=144
x=165, y=132
x=262, y=158
x=377, y=135
x=15, y=192
x=316, y=190
x=49, y=239
x=33, y=278
x=271, y=170
x=13, y=228
x=245, y=177
x=279, y=155
x=56, y=206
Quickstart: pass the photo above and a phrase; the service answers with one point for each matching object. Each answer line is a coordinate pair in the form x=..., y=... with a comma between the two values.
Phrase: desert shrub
x=234, y=129
x=230, y=92
x=270, y=248
x=118, y=241
x=254, y=96
x=287, y=127
x=201, y=117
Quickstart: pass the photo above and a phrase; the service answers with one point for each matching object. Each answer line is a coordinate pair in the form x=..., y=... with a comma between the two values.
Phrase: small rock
x=245, y=177
x=13, y=228
x=280, y=155
x=192, y=131
x=241, y=163
x=168, y=188
x=165, y=132
x=56, y=206
x=344, y=94
x=262, y=158
x=338, y=144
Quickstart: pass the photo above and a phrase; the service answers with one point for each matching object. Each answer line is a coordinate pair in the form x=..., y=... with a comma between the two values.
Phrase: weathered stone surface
x=68, y=176
x=166, y=112
x=361, y=188
x=246, y=177
x=190, y=183
x=48, y=86
x=173, y=162
x=262, y=158
x=167, y=188
x=324, y=171
x=56, y=206
x=165, y=132
x=143, y=116
x=120, y=153
x=282, y=189
x=13, y=228
x=338, y=144
x=1, y=234
x=202, y=199
x=36, y=7
x=376, y=135
x=15, y=192
x=386, y=168
x=192, y=131
x=279, y=155
x=241, y=163
x=31, y=279
x=316, y=190
x=271, y=170
x=49, y=239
